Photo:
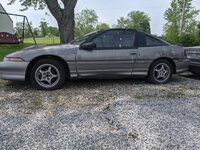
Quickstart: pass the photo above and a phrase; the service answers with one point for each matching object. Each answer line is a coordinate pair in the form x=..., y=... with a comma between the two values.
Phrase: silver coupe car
x=114, y=53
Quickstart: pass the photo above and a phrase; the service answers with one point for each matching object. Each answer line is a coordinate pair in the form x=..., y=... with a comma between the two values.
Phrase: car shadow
x=91, y=83
x=190, y=76
x=88, y=83
x=18, y=85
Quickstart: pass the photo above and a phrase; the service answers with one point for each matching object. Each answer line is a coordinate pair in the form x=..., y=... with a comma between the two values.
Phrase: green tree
x=198, y=33
x=86, y=22
x=63, y=13
x=36, y=32
x=181, y=24
x=122, y=23
x=44, y=27
x=19, y=29
x=102, y=26
x=135, y=20
x=53, y=31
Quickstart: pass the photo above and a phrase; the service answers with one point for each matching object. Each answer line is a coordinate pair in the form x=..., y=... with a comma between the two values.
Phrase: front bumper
x=13, y=70
x=195, y=66
x=182, y=65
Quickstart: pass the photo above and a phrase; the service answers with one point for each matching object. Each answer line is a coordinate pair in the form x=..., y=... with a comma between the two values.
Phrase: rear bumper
x=182, y=65
x=195, y=62
x=13, y=70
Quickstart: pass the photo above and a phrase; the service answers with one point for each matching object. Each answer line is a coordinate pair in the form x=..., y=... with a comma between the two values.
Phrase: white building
x=6, y=23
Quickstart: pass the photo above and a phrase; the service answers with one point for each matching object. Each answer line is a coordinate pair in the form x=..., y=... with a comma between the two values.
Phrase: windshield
x=85, y=38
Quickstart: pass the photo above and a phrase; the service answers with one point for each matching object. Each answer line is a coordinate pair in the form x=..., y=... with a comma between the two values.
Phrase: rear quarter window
x=146, y=40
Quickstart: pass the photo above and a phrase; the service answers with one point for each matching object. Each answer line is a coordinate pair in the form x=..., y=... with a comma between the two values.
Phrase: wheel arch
x=33, y=61
x=169, y=60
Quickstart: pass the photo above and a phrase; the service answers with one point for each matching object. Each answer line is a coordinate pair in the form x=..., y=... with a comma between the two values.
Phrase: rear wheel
x=160, y=72
x=48, y=74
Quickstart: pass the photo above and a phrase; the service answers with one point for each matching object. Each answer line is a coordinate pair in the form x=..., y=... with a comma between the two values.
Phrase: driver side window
x=115, y=39
x=109, y=39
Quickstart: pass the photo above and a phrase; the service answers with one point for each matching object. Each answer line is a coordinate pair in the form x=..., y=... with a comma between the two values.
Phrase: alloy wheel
x=47, y=75
x=161, y=72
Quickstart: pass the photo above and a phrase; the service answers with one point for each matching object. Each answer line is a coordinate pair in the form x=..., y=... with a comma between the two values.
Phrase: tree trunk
x=66, y=28
x=64, y=17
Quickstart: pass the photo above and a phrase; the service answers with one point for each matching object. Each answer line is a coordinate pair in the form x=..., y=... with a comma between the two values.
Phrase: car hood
x=64, y=51
x=50, y=47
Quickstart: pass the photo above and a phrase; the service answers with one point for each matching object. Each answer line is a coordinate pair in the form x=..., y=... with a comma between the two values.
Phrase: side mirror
x=88, y=46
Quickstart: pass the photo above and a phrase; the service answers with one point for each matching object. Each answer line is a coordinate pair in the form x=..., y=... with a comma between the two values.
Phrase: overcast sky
x=107, y=10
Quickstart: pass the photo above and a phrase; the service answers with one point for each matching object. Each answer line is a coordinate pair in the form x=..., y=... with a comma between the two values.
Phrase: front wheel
x=160, y=72
x=48, y=74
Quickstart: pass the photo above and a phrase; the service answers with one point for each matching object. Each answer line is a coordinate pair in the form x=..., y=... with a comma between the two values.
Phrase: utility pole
x=183, y=16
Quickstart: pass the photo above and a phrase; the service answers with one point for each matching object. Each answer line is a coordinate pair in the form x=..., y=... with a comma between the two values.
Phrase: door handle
x=133, y=53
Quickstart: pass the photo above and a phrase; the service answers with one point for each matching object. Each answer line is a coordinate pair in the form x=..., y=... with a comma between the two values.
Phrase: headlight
x=13, y=59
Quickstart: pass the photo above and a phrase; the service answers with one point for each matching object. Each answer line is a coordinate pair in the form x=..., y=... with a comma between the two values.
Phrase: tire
x=48, y=74
x=160, y=72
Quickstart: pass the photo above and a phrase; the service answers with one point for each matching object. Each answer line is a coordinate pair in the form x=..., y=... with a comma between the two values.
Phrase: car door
x=113, y=56
x=149, y=49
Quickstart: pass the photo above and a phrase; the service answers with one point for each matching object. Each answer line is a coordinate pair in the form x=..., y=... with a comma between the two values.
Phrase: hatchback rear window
x=146, y=40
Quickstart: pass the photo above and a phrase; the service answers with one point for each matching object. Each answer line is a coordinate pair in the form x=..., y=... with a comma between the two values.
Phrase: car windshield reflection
x=85, y=38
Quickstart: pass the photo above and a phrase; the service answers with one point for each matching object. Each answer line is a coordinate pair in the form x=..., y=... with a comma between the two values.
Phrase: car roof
x=119, y=29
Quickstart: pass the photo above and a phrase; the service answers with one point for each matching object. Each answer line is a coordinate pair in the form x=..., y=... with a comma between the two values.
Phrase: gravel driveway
x=101, y=114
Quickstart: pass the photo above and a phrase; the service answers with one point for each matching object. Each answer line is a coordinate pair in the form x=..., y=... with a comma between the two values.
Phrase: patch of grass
x=169, y=95
x=55, y=100
x=90, y=104
x=181, y=93
x=2, y=83
x=35, y=103
x=140, y=97
x=173, y=95
x=6, y=49
x=185, y=74
x=43, y=40
x=19, y=101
